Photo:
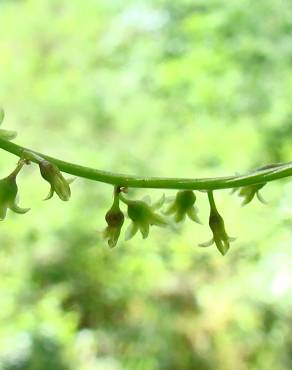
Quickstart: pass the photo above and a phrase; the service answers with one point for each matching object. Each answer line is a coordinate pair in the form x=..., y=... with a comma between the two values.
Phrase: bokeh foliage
x=160, y=87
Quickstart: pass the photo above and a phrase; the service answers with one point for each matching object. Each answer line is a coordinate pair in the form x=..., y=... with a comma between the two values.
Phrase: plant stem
x=266, y=174
x=212, y=201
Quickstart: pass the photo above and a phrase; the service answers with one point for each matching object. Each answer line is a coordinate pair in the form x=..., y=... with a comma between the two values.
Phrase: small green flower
x=5, y=134
x=184, y=205
x=248, y=192
x=115, y=220
x=8, y=194
x=51, y=173
x=216, y=223
x=143, y=215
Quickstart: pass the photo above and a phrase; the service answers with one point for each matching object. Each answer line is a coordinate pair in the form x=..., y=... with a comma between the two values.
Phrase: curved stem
x=212, y=201
x=266, y=174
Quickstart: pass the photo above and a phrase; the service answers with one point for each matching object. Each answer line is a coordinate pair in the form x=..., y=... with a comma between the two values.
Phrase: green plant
x=142, y=213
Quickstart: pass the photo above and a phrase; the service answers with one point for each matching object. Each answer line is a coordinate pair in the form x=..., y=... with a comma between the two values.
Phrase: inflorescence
x=143, y=214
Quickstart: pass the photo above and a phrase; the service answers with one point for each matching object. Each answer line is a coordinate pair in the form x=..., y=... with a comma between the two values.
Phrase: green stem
x=212, y=201
x=266, y=174
x=116, y=202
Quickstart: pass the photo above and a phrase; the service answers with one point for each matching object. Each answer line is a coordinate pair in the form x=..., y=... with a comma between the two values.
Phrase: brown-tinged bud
x=51, y=173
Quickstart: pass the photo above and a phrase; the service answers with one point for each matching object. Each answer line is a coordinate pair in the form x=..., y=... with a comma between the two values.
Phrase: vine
x=142, y=213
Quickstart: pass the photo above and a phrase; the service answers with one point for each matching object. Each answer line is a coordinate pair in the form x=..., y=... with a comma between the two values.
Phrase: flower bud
x=8, y=194
x=115, y=220
x=184, y=205
x=216, y=223
x=51, y=173
x=143, y=216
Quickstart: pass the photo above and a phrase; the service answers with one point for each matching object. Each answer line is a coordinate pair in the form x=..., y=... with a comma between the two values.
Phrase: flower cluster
x=143, y=214
x=49, y=171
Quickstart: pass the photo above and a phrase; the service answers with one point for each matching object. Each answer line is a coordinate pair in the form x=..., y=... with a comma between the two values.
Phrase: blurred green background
x=150, y=87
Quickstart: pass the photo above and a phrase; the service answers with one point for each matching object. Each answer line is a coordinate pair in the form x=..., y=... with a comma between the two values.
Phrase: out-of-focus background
x=151, y=87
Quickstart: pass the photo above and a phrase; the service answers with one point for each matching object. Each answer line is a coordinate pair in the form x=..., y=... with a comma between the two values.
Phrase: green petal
x=113, y=237
x=206, y=244
x=222, y=246
x=260, y=198
x=131, y=231
x=50, y=195
x=15, y=208
x=247, y=199
x=180, y=216
x=62, y=188
x=193, y=215
x=144, y=229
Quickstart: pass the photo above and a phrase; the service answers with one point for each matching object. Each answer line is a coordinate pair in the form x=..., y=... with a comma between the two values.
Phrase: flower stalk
x=142, y=213
x=267, y=174
x=216, y=223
